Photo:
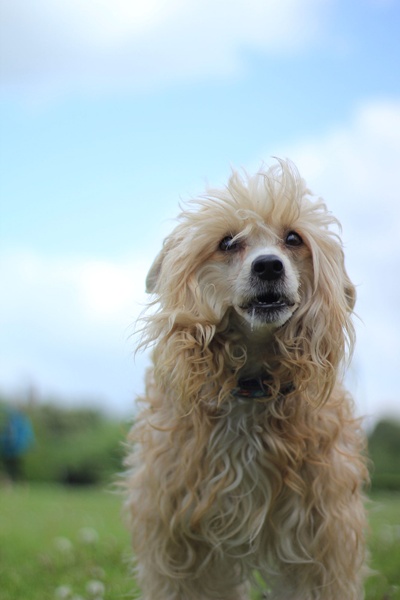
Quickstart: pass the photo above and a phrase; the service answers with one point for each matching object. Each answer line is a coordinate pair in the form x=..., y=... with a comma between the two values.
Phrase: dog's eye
x=228, y=244
x=293, y=239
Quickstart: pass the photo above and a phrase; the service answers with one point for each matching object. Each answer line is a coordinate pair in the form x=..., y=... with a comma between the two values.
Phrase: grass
x=384, y=543
x=70, y=544
x=59, y=543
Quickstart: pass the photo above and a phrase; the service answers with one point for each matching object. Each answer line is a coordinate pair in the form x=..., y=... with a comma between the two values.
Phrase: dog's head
x=256, y=266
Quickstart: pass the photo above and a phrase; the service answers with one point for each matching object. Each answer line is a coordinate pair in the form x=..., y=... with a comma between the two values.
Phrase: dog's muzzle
x=270, y=301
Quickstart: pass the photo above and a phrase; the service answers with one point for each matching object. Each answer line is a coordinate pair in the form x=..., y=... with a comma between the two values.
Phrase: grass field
x=70, y=544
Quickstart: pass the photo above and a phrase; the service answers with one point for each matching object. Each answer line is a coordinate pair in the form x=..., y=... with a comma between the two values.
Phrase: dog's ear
x=154, y=273
x=351, y=294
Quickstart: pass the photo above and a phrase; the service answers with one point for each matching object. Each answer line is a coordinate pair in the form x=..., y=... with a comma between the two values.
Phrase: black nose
x=268, y=267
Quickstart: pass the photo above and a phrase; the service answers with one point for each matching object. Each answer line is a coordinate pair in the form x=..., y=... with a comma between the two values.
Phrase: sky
x=114, y=112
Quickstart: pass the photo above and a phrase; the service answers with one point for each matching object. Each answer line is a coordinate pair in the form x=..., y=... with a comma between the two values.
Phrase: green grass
x=58, y=543
x=384, y=544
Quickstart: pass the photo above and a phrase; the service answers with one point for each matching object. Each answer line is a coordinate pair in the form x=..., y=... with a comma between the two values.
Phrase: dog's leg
x=334, y=569
x=156, y=584
x=156, y=587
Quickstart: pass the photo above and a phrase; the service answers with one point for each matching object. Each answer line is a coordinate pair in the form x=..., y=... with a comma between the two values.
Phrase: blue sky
x=113, y=112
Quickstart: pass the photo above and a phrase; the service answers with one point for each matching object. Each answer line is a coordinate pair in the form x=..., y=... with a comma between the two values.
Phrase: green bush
x=384, y=452
x=77, y=447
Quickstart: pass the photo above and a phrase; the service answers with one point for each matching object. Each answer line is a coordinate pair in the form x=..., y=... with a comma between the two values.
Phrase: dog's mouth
x=267, y=302
x=267, y=308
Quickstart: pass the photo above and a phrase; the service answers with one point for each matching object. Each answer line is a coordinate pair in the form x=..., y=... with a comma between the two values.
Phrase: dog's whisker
x=253, y=316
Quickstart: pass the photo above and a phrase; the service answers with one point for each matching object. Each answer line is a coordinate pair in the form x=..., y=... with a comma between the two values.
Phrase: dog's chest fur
x=244, y=468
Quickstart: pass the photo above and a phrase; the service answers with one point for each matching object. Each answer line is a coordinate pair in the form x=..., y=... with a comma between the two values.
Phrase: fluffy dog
x=246, y=463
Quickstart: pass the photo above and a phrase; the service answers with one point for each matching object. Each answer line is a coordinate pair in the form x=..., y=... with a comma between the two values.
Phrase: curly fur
x=223, y=486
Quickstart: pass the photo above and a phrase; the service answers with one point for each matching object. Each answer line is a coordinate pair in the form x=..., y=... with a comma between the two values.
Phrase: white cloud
x=85, y=44
x=355, y=168
x=360, y=158
x=66, y=326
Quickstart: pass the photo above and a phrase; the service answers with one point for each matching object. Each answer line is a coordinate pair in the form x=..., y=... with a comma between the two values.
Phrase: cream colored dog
x=246, y=457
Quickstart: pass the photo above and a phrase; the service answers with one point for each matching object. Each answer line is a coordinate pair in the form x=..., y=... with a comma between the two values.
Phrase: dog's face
x=242, y=254
x=259, y=274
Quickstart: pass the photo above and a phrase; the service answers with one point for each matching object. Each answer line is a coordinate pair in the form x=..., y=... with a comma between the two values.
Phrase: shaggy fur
x=225, y=483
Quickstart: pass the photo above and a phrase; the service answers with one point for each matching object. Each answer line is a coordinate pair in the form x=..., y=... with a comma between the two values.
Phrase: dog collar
x=258, y=387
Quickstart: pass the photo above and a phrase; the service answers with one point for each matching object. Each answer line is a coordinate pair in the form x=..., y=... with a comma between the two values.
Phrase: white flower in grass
x=63, y=545
x=95, y=588
x=63, y=592
x=88, y=535
x=386, y=534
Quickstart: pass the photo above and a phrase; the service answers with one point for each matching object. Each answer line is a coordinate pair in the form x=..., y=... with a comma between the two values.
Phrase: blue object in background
x=16, y=433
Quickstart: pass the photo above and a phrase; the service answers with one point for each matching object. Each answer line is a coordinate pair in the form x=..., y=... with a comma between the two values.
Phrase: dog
x=246, y=465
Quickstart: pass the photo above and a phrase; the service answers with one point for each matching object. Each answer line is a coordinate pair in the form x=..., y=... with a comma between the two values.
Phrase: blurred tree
x=75, y=447
x=384, y=451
